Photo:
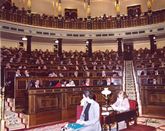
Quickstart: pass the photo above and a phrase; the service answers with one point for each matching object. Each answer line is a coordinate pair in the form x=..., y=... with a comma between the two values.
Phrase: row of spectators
x=45, y=60
x=69, y=70
x=150, y=67
x=71, y=83
x=59, y=73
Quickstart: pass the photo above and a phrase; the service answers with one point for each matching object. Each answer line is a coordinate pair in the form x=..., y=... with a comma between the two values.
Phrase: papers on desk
x=107, y=108
x=104, y=108
x=110, y=108
x=105, y=113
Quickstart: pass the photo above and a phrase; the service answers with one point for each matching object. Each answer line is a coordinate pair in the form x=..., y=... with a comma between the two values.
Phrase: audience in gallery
x=87, y=82
x=147, y=66
x=75, y=73
x=76, y=62
x=90, y=115
x=44, y=67
x=26, y=73
x=34, y=84
x=8, y=6
x=64, y=68
x=8, y=66
x=103, y=74
x=63, y=83
x=69, y=62
x=22, y=67
x=107, y=82
x=116, y=81
x=58, y=84
x=87, y=73
x=99, y=83
x=39, y=67
x=18, y=73
x=37, y=84
x=52, y=74
x=70, y=83
x=61, y=75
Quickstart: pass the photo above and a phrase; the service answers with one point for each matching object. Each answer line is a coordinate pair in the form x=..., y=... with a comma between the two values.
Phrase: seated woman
x=90, y=114
x=121, y=105
x=122, y=102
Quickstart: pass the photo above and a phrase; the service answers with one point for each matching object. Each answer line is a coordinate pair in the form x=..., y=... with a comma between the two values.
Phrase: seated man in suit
x=34, y=84
x=107, y=82
x=90, y=114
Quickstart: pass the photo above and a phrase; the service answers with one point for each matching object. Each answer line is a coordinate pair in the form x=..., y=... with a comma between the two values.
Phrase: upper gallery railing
x=22, y=16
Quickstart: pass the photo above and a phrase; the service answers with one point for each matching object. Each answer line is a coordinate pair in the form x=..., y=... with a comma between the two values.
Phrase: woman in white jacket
x=122, y=102
x=121, y=105
x=90, y=116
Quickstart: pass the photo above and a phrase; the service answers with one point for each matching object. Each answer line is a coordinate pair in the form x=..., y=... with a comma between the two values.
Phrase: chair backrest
x=133, y=104
x=79, y=110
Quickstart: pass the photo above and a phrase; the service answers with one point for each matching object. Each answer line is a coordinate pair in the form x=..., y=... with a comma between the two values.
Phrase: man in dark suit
x=107, y=82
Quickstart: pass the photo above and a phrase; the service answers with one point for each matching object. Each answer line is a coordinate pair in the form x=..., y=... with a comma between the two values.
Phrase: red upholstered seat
x=133, y=104
x=79, y=110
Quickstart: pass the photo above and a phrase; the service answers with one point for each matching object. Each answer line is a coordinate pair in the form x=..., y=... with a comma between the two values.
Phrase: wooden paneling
x=153, y=100
x=51, y=105
x=22, y=85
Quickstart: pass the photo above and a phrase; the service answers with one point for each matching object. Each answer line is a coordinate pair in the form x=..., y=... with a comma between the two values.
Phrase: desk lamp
x=106, y=92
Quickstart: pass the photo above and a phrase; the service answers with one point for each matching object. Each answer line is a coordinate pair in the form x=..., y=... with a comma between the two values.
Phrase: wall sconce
x=56, y=41
x=24, y=38
x=87, y=42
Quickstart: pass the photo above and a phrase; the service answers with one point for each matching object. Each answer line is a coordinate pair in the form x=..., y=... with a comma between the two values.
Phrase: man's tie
x=86, y=112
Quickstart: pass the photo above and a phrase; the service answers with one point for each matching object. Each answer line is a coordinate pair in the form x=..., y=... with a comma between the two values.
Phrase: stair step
x=129, y=80
x=13, y=120
x=16, y=127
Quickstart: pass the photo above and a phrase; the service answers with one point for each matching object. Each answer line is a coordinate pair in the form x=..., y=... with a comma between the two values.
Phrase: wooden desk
x=116, y=117
x=52, y=105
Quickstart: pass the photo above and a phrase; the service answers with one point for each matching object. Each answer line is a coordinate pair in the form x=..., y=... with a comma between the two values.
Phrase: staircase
x=13, y=120
x=129, y=81
x=130, y=84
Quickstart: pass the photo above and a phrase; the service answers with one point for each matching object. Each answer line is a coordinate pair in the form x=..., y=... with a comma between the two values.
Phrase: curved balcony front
x=51, y=27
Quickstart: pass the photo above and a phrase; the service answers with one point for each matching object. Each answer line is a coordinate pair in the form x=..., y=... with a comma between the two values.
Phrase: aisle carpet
x=159, y=124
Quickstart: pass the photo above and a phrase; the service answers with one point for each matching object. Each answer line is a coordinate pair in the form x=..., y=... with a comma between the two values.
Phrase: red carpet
x=140, y=128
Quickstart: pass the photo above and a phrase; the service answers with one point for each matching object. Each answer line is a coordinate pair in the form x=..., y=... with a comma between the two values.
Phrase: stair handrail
x=2, y=108
x=124, y=76
x=137, y=90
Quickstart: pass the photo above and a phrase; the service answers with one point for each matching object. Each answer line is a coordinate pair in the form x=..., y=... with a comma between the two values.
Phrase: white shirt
x=121, y=104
